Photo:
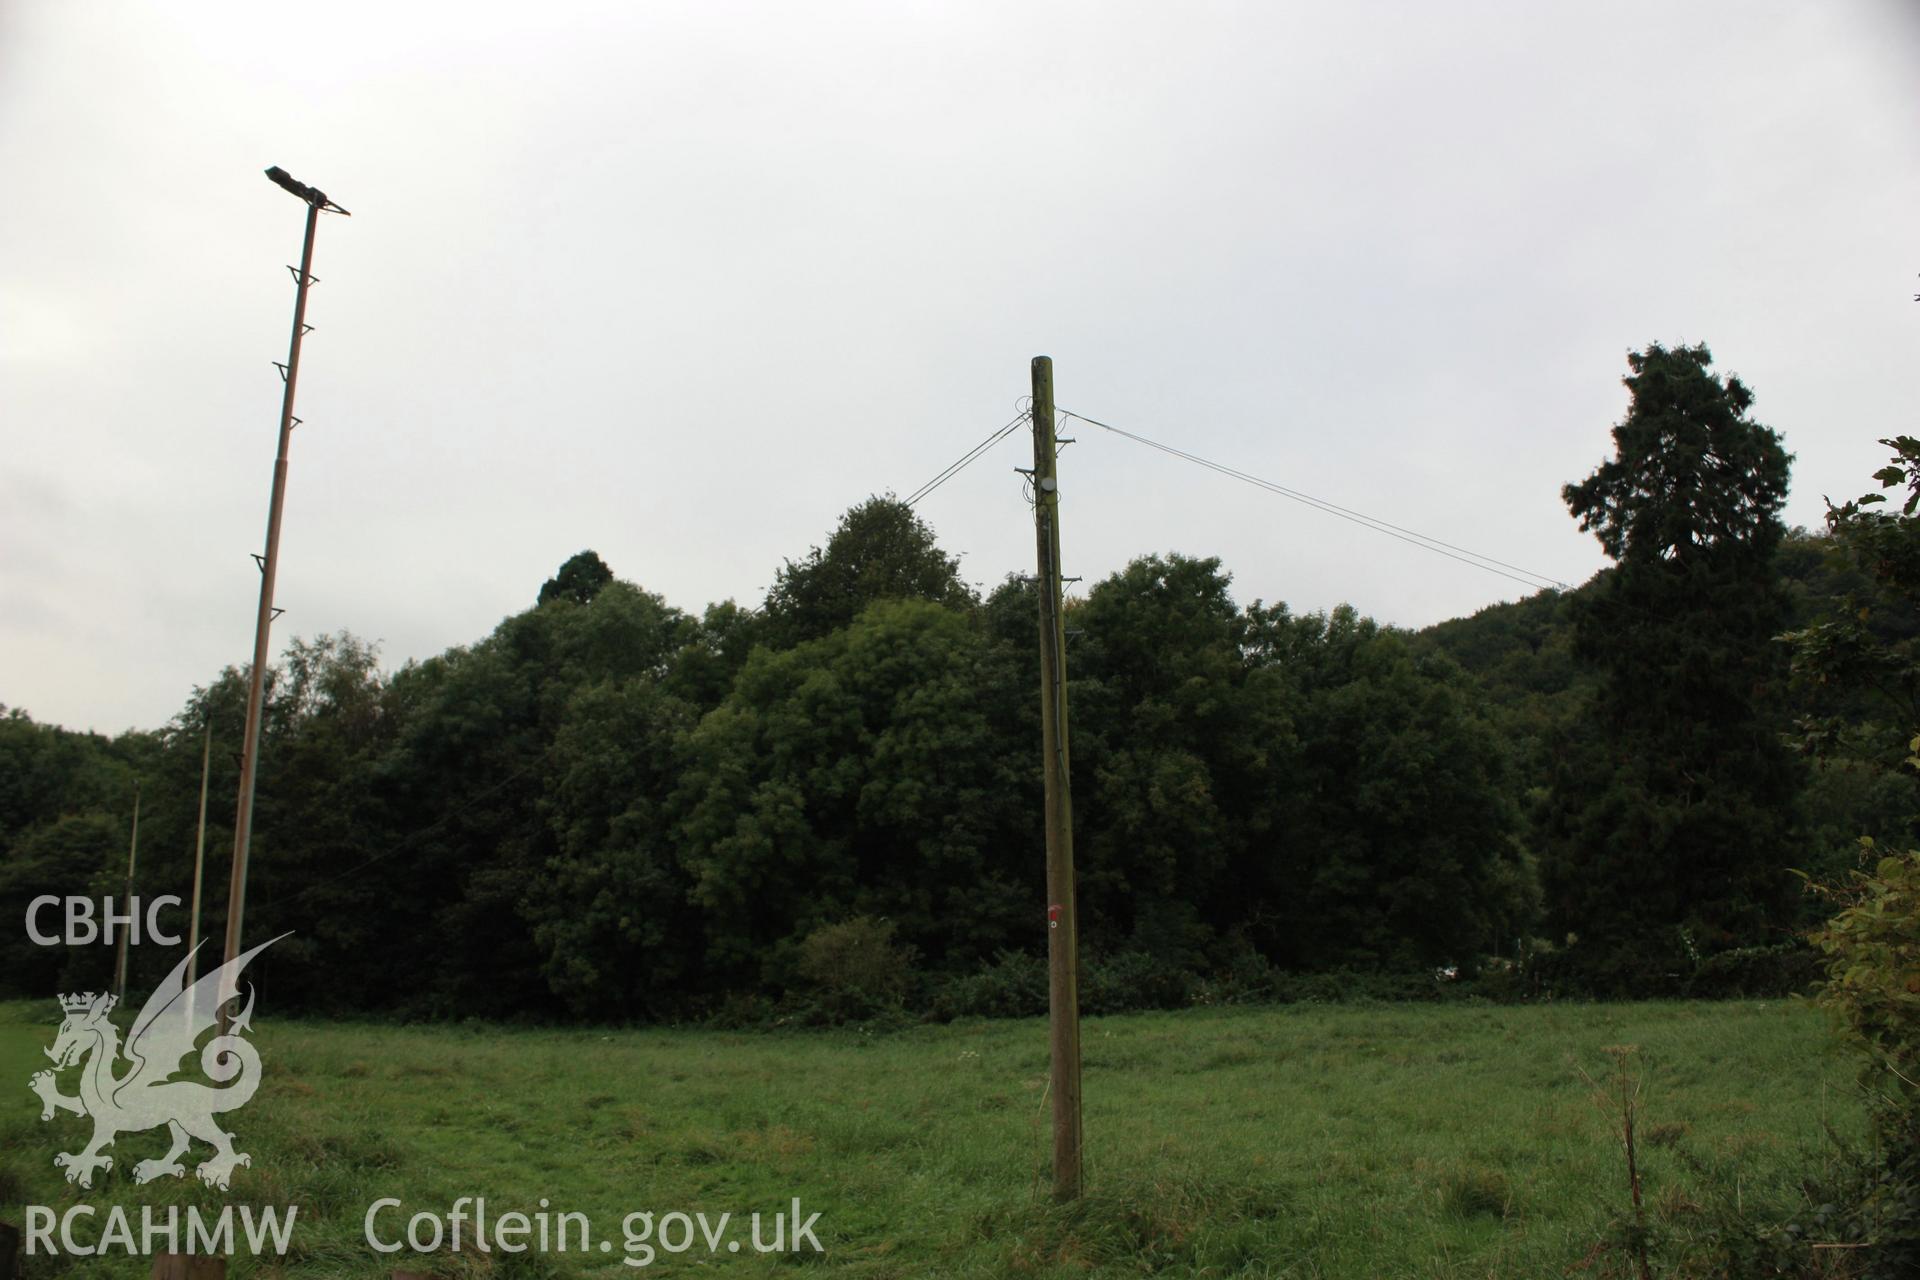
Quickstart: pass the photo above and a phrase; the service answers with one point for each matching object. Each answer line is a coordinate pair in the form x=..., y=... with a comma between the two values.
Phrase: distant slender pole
x=1063, y=963
x=269, y=566
x=199, y=859
x=133, y=850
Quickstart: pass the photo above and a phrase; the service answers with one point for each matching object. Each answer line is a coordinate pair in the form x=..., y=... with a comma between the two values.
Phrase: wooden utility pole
x=199, y=863
x=1063, y=959
x=316, y=202
x=126, y=902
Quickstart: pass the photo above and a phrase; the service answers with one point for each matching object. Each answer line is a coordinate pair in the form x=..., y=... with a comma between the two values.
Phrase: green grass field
x=1306, y=1141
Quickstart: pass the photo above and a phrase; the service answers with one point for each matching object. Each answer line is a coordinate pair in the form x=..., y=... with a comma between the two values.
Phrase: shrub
x=1344, y=985
x=739, y=1011
x=1247, y=978
x=1135, y=980
x=1786, y=969
x=855, y=969
x=1013, y=986
x=1524, y=975
x=1872, y=952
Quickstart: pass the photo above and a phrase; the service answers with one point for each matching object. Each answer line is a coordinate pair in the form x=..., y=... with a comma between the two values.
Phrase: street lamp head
x=316, y=198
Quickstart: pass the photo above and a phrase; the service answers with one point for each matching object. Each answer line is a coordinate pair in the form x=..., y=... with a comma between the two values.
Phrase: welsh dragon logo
x=147, y=1096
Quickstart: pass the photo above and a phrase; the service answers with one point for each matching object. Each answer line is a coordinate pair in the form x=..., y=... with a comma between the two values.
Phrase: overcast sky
x=681, y=282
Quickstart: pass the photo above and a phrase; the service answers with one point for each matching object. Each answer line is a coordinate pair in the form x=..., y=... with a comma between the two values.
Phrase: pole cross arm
x=318, y=199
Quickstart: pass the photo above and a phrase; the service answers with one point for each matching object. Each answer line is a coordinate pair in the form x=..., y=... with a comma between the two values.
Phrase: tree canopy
x=579, y=579
x=881, y=550
x=1673, y=811
x=609, y=807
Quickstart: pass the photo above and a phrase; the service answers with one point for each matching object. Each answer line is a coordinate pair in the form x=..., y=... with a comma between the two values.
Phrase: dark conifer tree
x=1671, y=824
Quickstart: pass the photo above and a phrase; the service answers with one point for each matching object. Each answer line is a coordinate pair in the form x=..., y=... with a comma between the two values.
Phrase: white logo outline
x=147, y=1096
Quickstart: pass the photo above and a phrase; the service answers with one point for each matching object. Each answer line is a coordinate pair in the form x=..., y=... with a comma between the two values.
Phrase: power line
x=966, y=459
x=1409, y=536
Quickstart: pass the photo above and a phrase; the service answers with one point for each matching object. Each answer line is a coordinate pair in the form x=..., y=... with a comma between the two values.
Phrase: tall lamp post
x=316, y=202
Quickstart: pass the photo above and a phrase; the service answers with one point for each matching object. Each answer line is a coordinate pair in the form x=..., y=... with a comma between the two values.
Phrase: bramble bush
x=1872, y=951
x=1862, y=1219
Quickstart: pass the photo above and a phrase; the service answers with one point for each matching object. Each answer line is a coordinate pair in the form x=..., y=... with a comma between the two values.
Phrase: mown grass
x=1348, y=1141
